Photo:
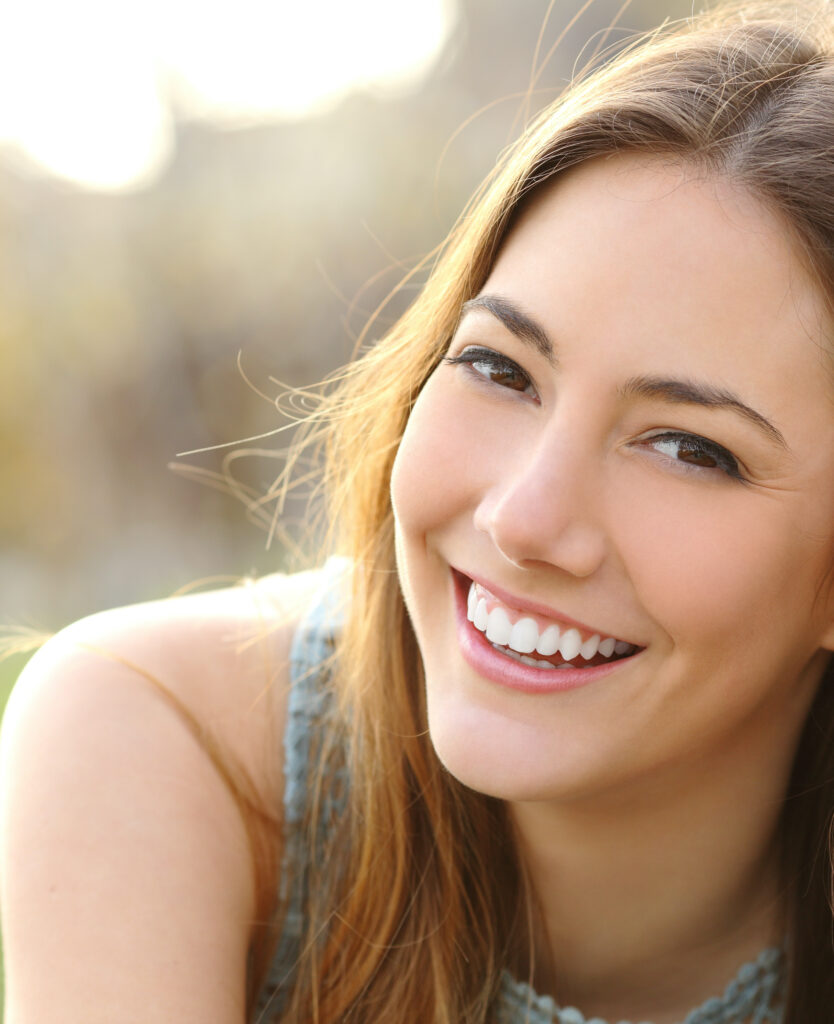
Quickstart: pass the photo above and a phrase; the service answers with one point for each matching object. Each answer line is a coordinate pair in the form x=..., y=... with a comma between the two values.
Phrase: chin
x=505, y=758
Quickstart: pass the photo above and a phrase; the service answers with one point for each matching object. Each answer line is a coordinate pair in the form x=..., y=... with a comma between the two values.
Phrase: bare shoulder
x=126, y=877
x=222, y=655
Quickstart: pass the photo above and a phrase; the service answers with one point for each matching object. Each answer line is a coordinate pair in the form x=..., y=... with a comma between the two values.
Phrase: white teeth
x=589, y=648
x=570, y=644
x=498, y=627
x=524, y=635
x=534, y=663
x=549, y=641
x=523, y=658
x=606, y=646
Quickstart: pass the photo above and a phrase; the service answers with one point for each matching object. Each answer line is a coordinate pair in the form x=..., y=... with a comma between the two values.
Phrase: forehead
x=647, y=224
x=637, y=255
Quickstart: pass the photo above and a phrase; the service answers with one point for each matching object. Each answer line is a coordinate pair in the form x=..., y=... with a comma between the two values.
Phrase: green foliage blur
x=123, y=316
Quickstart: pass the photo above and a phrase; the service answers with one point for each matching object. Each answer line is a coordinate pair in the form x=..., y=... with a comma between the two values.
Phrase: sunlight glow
x=87, y=87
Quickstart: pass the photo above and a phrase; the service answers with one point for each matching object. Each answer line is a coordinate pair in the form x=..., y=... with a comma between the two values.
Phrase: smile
x=527, y=650
x=519, y=635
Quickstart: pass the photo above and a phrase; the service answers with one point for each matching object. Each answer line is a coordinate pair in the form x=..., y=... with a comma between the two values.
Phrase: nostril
x=532, y=517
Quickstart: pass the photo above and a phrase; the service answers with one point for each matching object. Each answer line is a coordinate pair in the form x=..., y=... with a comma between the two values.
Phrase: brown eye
x=696, y=456
x=495, y=368
x=507, y=375
x=692, y=452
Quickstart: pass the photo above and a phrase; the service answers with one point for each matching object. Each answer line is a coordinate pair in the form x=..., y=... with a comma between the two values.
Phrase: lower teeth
x=533, y=662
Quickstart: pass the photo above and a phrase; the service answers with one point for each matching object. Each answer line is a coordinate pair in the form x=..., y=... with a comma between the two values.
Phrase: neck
x=650, y=898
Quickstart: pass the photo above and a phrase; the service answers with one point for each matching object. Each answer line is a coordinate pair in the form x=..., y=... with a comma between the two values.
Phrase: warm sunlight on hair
x=88, y=90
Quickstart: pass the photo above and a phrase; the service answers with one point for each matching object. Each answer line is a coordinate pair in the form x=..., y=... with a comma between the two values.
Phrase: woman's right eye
x=494, y=367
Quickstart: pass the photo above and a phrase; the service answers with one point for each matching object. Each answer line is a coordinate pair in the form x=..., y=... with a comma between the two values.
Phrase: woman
x=572, y=744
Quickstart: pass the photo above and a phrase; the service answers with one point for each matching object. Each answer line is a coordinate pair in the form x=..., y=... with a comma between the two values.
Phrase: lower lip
x=479, y=653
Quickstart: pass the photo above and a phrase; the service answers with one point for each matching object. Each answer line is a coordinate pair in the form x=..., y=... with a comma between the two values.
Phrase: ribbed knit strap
x=308, y=703
x=754, y=996
x=519, y=1004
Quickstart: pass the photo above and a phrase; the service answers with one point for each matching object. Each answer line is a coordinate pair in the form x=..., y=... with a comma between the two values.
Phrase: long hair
x=418, y=900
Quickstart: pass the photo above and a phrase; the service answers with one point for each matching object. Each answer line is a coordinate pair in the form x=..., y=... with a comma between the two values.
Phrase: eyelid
x=485, y=350
x=470, y=355
x=729, y=463
x=473, y=353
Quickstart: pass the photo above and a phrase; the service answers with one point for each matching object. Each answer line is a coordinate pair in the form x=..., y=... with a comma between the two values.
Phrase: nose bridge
x=545, y=504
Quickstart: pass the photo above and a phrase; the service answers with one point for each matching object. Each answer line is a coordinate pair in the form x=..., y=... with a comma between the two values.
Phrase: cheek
x=422, y=498
x=429, y=478
x=735, y=578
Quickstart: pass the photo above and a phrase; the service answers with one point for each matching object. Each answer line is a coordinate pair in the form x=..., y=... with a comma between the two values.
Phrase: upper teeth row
x=524, y=637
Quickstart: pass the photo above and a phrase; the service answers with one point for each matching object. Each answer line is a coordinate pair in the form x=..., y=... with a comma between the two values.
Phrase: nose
x=545, y=506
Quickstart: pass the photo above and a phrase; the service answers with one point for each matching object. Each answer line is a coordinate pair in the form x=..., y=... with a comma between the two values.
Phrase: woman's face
x=633, y=439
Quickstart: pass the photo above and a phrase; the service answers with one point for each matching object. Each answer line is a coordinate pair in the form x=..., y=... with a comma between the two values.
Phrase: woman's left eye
x=695, y=452
x=493, y=367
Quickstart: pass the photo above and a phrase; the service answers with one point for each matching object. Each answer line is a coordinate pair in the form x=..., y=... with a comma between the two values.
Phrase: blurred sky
x=88, y=88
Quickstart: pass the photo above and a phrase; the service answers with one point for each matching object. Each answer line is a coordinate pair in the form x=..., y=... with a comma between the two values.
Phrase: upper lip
x=523, y=604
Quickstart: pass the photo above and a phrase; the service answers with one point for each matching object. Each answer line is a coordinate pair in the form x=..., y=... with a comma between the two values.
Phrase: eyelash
x=700, y=447
x=472, y=355
x=724, y=462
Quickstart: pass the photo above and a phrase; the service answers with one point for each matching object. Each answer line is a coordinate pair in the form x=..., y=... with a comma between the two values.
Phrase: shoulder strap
x=312, y=647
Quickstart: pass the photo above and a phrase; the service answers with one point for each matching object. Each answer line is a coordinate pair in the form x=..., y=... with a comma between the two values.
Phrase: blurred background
x=197, y=201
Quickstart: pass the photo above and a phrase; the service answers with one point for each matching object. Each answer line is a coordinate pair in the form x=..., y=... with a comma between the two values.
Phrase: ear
x=823, y=609
x=827, y=639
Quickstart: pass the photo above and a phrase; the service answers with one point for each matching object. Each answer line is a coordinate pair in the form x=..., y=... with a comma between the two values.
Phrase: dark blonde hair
x=418, y=901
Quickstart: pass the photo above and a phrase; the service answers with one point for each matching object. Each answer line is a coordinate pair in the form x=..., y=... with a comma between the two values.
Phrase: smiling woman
x=561, y=455
x=558, y=726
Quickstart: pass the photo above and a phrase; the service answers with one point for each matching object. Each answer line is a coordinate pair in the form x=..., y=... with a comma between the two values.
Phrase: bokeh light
x=188, y=189
x=87, y=88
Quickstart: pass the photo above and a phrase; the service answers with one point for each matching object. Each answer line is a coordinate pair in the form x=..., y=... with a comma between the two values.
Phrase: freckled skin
x=632, y=267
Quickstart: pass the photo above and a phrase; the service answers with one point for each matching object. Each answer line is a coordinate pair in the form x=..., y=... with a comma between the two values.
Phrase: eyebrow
x=688, y=392
x=515, y=320
x=677, y=391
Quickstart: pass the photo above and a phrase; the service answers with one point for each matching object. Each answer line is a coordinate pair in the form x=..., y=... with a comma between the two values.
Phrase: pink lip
x=486, y=661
